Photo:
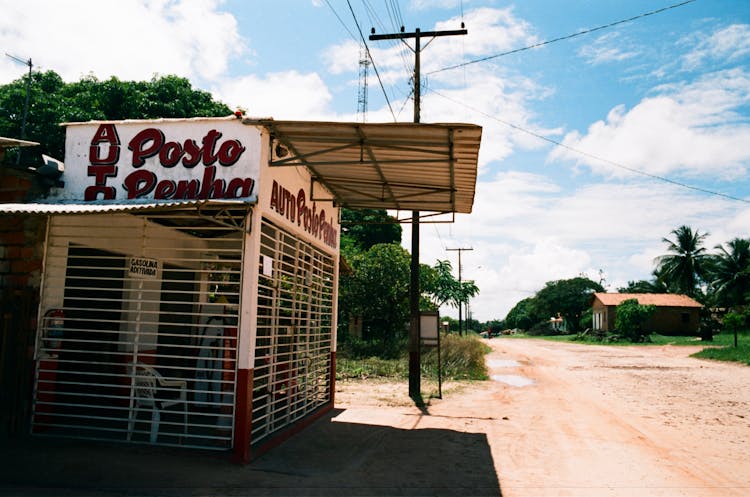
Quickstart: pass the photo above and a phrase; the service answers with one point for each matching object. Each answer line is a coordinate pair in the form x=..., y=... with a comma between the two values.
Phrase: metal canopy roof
x=399, y=166
x=13, y=142
x=196, y=217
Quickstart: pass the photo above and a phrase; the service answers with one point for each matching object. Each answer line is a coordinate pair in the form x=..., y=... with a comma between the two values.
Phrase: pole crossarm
x=418, y=33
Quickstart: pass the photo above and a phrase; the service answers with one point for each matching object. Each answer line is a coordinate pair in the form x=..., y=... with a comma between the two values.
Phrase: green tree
x=630, y=318
x=570, y=298
x=730, y=273
x=378, y=290
x=686, y=266
x=52, y=101
x=363, y=228
x=522, y=315
x=655, y=285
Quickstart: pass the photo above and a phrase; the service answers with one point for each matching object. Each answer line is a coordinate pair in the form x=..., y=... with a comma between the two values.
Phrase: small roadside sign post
x=429, y=328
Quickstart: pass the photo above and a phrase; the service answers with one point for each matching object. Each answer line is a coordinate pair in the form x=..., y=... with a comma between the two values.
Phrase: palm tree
x=731, y=273
x=686, y=266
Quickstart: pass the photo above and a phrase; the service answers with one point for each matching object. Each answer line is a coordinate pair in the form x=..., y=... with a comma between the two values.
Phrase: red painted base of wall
x=243, y=452
x=293, y=429
x=243, y=416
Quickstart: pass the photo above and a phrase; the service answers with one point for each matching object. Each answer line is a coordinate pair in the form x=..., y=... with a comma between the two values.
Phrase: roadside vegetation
x=374, y=306
x=461, y=358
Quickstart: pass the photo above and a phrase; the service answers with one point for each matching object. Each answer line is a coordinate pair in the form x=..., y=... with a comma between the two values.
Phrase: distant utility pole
x=28, y=91
x=415, y=386
x=460, y=305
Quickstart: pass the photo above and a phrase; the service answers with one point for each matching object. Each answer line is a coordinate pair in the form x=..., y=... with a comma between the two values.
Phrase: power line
x=354, y=37
x=567, y=37
x=593, y=156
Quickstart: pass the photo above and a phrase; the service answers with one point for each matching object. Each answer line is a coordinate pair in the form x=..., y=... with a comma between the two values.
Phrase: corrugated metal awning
x=112, y=208
x=13, y=142
x=196, y=217
x=400, y=166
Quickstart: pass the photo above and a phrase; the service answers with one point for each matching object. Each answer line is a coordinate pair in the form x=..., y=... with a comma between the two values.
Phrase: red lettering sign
x=292, y=207
x=152, y=143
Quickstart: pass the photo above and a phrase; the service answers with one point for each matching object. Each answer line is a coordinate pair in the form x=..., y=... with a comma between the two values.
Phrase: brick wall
x=21, y=252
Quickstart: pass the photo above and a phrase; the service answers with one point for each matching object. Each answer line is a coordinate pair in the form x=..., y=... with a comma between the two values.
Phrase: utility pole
x=461, y=304
x=28, y=91
x=415, y=386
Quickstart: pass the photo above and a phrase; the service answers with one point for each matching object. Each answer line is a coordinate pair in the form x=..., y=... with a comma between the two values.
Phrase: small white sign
x=143, y=267
x=267, y=266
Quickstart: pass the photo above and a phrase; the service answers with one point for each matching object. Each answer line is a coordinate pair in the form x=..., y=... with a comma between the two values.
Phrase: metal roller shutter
x=138, y=332
x=294, y=334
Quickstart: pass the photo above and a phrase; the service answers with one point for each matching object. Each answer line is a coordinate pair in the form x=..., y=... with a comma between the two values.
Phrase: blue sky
x=667, y=95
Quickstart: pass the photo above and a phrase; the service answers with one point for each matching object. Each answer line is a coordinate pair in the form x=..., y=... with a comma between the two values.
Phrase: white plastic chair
x=146, y=383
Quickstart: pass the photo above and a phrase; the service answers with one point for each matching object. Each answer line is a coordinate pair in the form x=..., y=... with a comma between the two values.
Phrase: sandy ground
x=557, y=419
x=573, y=420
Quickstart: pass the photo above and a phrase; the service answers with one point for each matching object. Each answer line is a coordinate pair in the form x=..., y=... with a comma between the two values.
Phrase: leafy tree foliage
x=363, y=228
x=378, y=291
x=687, y=264
x=523, y=315
x=440, y=287
x=630, y=318
x=644, y=286
x=570, y=298
x=730, y=273
x=52, y=101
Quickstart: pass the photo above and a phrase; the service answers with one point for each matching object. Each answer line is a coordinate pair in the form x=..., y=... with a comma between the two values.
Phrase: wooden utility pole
x=461, y=304
x=415, y=387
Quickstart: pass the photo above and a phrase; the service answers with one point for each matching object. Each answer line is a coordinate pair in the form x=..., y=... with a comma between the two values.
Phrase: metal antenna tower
x=364, y=64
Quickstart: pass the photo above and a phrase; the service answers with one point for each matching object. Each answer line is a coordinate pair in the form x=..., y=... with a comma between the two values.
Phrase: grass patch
x=720, y=349
x=461, y=357
x=739, y=354
x=721, y=339
x=371, y=367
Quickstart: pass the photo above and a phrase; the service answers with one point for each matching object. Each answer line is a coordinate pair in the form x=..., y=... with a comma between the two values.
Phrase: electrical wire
x=354, y=37
x=567, y=37
x=593, y=156
x=369, y=56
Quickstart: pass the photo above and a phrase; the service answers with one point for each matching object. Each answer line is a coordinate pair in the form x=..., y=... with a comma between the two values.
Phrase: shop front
x=189, y=288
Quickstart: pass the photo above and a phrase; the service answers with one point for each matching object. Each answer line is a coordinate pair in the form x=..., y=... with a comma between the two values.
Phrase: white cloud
x=725, y=44
x=690, y=128
x=284, y=95
x=132, y=39
x=606, y=48
x=526, y=229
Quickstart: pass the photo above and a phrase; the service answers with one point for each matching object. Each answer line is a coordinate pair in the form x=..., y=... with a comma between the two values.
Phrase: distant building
x=675, y=314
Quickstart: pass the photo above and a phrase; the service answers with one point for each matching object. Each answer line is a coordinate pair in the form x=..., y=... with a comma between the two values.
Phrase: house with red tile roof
x=675, y=314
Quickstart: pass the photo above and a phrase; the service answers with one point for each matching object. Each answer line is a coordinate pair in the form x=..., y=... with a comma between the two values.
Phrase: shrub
x=630, y=319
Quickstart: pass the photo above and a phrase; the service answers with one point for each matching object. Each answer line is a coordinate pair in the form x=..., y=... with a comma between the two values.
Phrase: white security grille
x=293, y=345
x=138, y=336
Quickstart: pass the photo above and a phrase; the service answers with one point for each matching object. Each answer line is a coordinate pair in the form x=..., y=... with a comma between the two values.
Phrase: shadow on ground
x=329, y=458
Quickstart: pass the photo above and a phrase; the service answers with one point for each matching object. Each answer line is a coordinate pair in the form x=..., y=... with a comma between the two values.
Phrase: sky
x=594, y=147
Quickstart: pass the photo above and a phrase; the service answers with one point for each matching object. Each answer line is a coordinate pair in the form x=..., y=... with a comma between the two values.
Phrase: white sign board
x=143, y=267
x=429, y=327
x=166, y=159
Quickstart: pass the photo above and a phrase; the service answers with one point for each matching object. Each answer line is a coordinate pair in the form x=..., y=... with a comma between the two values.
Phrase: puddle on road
x=513, y=380
x=502, y=363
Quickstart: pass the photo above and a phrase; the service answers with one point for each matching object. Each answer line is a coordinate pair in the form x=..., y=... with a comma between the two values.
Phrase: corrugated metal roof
x=100, y=208
x=13, y=142
x=400, y=166
x=657, y=299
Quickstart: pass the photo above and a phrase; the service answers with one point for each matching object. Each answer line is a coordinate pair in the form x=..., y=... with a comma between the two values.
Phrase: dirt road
x=573, y=420
x=558, y=419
